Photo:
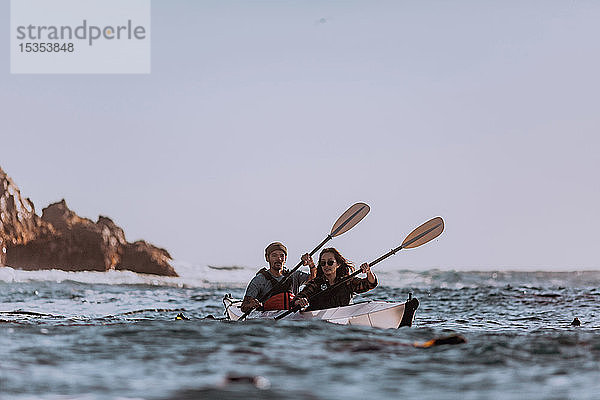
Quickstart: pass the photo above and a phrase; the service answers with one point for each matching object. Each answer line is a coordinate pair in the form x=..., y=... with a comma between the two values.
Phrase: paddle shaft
x=287, y=278
x=371, y=264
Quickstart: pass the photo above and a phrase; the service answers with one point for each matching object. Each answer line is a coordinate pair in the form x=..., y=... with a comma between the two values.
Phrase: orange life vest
x=279, y=301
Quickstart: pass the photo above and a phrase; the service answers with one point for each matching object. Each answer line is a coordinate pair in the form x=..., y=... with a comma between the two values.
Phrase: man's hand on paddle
x=250, y=303
x=307, y=260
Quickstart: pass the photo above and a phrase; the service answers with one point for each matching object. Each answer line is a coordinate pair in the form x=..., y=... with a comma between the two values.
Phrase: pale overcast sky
x=265, y=120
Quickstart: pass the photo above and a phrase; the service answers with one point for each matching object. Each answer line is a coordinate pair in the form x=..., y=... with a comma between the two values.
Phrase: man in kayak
x=333, y=267
x=266, y=279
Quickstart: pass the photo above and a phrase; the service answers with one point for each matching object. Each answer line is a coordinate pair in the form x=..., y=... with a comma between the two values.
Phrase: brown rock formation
x=19, y=223
x=60, y=239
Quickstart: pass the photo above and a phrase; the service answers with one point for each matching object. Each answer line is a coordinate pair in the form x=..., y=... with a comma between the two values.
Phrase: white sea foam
x=195, y=276
x=189, y=276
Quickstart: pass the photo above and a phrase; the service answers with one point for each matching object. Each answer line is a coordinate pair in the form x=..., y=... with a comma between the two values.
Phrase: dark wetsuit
x=339, y=297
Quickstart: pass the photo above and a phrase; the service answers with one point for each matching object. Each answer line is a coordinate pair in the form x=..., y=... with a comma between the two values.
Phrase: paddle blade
x=351, y=217
x=424, y=233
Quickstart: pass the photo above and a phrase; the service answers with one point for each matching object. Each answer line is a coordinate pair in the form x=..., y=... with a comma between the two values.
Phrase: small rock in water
x=576, y=322
x=181, y=316
x=260, y=382
x=452, y=339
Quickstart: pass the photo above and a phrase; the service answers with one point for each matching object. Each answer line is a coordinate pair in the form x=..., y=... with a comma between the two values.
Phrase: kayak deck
x=377, y=314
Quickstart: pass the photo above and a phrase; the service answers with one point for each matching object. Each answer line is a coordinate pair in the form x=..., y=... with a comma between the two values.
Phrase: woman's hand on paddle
x=300, y=302
x=366, y=268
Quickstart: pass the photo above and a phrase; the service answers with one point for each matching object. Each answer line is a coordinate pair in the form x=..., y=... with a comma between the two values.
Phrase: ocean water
x=114, y=336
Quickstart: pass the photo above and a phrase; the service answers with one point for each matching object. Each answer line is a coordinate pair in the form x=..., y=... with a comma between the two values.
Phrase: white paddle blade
x=351, y=217
x=424, y=233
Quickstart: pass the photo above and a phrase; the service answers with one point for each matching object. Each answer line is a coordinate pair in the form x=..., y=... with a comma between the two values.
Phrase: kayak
x=377, y=314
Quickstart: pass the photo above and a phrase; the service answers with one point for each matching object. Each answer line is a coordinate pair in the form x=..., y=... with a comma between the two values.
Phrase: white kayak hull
x=377, y=314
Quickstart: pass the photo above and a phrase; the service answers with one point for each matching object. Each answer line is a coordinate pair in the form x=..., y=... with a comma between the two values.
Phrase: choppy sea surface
x=114, y=336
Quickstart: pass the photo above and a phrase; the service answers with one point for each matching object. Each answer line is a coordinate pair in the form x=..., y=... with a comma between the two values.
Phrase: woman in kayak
x=332, y=268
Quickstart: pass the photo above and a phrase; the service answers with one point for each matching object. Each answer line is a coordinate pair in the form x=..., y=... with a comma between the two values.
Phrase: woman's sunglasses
x=330, y=263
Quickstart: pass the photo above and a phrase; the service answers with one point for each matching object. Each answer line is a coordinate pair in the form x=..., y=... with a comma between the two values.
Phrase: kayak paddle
x=423, y=234
x=344, y=223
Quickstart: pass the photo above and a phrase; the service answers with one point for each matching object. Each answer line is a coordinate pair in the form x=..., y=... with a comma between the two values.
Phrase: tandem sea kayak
x=377, y=314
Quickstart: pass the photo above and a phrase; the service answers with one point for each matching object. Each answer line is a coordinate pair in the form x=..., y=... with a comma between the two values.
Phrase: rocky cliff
x=60, y=239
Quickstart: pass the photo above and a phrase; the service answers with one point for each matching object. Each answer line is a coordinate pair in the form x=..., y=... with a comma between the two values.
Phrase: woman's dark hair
x=345, y=267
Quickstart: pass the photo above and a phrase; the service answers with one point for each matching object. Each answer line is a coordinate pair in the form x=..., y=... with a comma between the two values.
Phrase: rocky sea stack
x=60, y=239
